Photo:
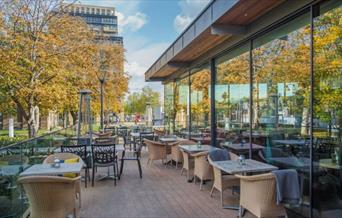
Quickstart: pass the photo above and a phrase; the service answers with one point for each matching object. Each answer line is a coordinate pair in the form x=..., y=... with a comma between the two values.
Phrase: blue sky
x=148, y=28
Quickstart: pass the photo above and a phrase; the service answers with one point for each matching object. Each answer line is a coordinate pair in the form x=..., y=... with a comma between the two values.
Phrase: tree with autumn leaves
x=47, y=56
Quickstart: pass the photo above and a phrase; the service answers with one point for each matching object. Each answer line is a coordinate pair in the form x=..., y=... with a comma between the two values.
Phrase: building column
x=212, y=103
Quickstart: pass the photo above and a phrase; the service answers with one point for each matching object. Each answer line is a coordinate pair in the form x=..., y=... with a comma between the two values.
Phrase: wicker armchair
x=159, y=132
x=188, y=161
x=64, y=156
x=203, y=170
x=222, y=182
x=176, y=154
x=156, y=151
x=233, y=156
x=258, y=195
x=50, y=196
x=102, y=134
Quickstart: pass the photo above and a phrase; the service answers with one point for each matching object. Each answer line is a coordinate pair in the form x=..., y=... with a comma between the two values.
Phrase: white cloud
x=189, y=10
x=139, y=61
x=181, y=22
x=132, y=22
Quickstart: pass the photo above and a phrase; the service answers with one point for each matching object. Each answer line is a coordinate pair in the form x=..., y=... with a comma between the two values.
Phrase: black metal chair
x=134, y=156
x=80, y=150
x=104, y=155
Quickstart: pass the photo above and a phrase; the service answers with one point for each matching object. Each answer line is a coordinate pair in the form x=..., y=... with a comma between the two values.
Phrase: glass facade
x=200, y=101
x=232, y=97
x=281, y=90
x=181, y=105
x=327, y=112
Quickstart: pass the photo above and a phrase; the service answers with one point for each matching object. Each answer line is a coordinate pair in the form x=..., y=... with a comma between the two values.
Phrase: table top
x=168, y=139
x=196, y=148
x=137, y=134
x=243, y=147
x=290, y=142
x=293, y=162
x=191, y=133
x=252, y=166
x=328, y=163
x=118, y=147
x=47, y=169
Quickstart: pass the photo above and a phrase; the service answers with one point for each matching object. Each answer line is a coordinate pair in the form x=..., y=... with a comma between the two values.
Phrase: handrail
x=38, y=137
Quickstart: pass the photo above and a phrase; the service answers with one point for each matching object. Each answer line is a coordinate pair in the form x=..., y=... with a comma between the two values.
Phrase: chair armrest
x=265, y=176
x=199, y=154
x=174, y=144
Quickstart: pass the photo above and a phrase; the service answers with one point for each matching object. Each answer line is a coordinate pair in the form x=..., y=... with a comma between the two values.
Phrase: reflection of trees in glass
x=328, y=69
x=200, y=100
x=233, y=74
x=169, y=105
x=282, y=61
x=181, y=93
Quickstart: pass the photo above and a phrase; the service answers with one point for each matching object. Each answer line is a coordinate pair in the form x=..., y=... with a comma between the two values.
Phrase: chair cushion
x=219, y=155
x=72, y=160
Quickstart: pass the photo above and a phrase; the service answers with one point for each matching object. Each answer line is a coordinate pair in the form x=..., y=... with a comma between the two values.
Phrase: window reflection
x=327, y=112
x=169, y=115
x=281, y=100
x=232, y=93
x=200, y=104
x=181, y=105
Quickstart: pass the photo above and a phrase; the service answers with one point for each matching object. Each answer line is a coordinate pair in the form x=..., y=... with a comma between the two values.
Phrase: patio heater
x=84, y=114
x=149, y=115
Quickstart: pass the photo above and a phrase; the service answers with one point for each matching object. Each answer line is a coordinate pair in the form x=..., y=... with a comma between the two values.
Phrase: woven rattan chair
x=203, y=170
x=159, y=132
x=176, y=154
x=64, y=156
x=102, y=134
x=188, y=161
x=233, y=156
x=258, y=196
x=156, y=151
x=50, y=196
x=222, y=182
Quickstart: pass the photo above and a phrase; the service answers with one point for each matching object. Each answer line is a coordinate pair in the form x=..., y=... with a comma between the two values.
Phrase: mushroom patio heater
x=84, y=124
x=149, y=115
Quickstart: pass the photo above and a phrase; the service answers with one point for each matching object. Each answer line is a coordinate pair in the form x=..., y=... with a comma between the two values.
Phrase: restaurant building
x=264, y=72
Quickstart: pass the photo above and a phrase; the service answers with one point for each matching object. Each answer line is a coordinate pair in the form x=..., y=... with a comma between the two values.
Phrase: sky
x=148, y=28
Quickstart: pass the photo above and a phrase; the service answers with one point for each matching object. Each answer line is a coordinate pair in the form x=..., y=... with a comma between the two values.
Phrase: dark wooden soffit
x=238, y=17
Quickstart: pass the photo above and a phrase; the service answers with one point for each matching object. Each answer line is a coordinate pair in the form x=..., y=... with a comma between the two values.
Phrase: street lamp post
x=102, y=78
x=102, y=110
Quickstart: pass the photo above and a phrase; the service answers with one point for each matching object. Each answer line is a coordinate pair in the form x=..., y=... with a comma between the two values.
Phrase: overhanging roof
x=219, y=21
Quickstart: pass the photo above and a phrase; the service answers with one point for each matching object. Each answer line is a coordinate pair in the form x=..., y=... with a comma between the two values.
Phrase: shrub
x=5, y=140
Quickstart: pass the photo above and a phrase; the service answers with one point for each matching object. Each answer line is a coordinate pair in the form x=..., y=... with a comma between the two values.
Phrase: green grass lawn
x=22, y=132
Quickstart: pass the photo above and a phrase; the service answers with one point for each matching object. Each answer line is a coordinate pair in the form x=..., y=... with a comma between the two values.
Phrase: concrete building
x=102, y=21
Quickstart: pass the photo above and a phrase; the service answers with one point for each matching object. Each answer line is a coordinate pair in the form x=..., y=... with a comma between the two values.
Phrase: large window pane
x=181, y=105
x=327, y=108
x=281, y=100
x=232, y=94
x=169, y=113
x=200, y=102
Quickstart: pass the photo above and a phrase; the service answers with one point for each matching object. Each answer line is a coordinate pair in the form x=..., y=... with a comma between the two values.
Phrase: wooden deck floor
x=162, y=192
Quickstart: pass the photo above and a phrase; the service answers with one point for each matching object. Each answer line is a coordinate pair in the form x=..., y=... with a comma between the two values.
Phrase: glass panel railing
x=15, y=158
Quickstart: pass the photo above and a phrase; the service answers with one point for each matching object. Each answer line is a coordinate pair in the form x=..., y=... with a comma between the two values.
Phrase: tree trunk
x=305, y=122
x=33, y=122
x=74, y=117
